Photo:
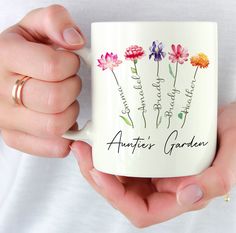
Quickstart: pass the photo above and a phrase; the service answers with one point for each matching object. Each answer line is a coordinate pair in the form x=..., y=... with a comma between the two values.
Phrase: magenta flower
x=179, y=54
x=109, y=61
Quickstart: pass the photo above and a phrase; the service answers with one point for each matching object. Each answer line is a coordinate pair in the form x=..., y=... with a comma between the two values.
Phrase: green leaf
x=180, y=115
x=133, y=70
x=126, y=120
x=135, y=61
x=171, y=71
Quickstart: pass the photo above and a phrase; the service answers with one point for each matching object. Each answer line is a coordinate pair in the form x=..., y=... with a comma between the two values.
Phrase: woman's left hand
x=148, y=201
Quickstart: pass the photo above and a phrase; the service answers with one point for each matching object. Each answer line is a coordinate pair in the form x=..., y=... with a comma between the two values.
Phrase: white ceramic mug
x=154, y=98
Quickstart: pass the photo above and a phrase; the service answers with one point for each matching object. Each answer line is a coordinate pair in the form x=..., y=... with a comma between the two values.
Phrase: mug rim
x=153, y=22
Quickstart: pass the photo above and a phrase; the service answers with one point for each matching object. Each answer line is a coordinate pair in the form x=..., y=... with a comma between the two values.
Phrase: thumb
x=54, y=25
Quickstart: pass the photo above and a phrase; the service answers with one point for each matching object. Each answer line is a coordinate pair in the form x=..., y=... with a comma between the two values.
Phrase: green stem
x=144, y=119
x=168, y=123
x=135, y=68
x=145, y=123
x=185, y=116
x=158, y=67
x=157, y=119
x=176, y=71
x=122, y=91
x=130, y=120
x=194, y=77
x=115, y=77
x=158, y=113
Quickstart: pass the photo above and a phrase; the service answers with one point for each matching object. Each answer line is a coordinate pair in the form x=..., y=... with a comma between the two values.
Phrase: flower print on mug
x=110, y=61
x=178, y=55
x=133, y=53
x=200, y=61
x=156, y=51
x=148, y=51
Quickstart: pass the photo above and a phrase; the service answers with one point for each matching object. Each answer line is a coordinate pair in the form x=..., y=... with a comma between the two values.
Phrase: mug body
x=154, y=97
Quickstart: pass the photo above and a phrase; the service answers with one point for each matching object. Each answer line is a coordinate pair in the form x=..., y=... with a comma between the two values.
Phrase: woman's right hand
x=29, y=48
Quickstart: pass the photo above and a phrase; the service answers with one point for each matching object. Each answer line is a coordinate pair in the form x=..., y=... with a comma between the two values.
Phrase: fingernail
x=96, y=177
x=189, y=195
x=72, y=36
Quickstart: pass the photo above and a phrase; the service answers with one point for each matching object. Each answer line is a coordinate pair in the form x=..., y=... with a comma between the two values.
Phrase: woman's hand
x=29, y=48
x=147, y=201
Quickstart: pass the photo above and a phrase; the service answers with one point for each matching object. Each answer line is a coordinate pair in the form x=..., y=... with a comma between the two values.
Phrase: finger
x=35, y=59
x=142, y=212
x=218, y=179
x=127, y=180
x=37, y=124
x=160, y=184
x=55, y=23
x=167, y=184
x=226, y=119
x=82, y=148
x=82, y=152
x=44, y=97
x=57, y=147
x=75, y=126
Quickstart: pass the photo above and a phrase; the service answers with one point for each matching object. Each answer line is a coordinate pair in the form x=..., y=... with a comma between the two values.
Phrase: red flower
x=134, y=52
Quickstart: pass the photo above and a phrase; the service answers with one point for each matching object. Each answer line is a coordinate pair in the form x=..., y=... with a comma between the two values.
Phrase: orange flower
x=200, y=60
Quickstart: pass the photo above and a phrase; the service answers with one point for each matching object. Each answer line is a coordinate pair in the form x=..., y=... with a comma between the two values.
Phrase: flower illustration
x=134, y=52
x=179, y=54
x=200, y=60
x=157, y=51
x=109, y=61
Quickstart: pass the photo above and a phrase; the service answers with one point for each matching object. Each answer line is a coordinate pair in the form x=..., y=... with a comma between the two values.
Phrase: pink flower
x=179, y=54
x=134, y=52
x=109, y=61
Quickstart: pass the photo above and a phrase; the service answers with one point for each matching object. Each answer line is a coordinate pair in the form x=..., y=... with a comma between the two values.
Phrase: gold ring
x=227, y=197
x=17, y=90
x=14, y=90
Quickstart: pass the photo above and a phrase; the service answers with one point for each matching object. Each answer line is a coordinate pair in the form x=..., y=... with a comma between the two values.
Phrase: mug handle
x=84, y=134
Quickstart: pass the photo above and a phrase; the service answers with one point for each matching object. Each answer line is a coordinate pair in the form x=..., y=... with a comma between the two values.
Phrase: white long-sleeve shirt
x=44, y=195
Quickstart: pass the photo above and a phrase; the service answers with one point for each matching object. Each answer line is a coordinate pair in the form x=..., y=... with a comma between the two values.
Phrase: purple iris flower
x=157, y=51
